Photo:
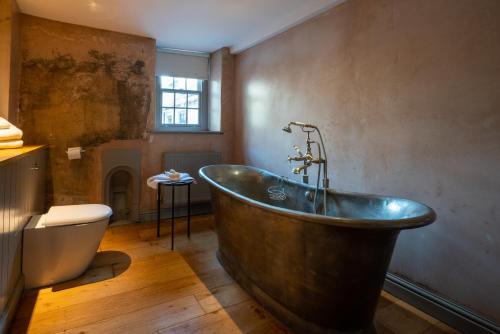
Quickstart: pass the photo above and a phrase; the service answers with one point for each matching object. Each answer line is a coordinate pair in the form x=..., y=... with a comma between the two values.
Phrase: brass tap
x=308, y=159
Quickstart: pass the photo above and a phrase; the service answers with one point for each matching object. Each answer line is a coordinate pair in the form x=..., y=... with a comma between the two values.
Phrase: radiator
x=188, y=162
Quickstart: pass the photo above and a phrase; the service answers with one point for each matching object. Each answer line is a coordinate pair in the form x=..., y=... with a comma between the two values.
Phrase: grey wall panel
x=22, y=184
x=12, y=225
x=6, y=229
x=39, y=193
x=3, y=298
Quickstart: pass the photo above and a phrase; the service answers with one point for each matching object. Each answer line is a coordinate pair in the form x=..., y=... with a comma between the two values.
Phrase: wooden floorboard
x=136, y=284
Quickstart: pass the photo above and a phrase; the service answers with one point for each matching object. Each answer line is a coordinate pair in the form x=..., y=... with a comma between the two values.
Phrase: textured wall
x=215, y=89
x=5, y=47
x=221, y=99
x=407, y=94
x=82, y=87
x=9, y=55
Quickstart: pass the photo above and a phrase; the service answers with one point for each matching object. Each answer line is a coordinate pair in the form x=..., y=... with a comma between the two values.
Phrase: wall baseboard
x=442, y=309
x=10, y=308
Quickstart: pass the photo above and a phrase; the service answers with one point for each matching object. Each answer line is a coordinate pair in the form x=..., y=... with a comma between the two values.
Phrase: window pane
x=180, y=116
x=167, y=99
x=193, y=117
x=180, y=100
x=193, y=100
x=167, y=116
x=166, y=82
x=180, y=83
x=192, y=84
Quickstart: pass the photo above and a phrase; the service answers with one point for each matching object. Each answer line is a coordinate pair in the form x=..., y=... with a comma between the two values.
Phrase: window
x=182, y=90
x=181, y=104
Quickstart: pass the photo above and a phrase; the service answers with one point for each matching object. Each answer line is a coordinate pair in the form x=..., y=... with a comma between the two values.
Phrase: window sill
x=203, y=132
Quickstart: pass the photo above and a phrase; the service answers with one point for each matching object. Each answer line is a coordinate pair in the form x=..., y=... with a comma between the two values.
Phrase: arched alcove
x=121, y=193
x=121, y=186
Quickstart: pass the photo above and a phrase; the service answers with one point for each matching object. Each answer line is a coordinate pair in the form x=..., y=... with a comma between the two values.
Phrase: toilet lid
x=76, y=214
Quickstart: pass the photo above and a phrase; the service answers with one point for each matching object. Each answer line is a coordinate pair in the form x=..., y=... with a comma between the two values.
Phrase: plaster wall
x=221, y=99
x=9, y=59
x=407, y=94
x=5, y=47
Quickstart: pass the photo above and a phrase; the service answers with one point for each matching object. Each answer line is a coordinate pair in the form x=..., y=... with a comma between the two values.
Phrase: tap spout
x=298, y=170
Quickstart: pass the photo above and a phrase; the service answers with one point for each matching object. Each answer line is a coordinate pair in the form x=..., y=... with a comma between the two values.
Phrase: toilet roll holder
x=81, y=150
x=72, y=150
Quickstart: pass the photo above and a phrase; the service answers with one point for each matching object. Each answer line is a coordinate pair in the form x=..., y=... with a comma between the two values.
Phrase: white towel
x=12, y=133
x=4, y=124
x=10, y=144
x=153, y=181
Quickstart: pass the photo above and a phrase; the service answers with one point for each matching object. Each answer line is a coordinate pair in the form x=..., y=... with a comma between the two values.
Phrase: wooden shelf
x=13, y=153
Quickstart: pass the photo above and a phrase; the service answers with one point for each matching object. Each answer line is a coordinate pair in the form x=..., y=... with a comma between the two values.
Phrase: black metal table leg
x=158, y=205
x=189, y=210
x=158, y=199
x=173, y=215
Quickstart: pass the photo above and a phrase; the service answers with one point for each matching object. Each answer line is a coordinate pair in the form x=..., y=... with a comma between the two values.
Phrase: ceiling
x=197, y=25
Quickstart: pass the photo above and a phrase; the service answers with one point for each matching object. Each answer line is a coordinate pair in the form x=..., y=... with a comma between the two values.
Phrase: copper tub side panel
x=313, y=277
x=316, y=273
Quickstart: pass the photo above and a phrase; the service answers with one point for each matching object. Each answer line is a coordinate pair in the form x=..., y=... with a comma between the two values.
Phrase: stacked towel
x=10, y=136
x=153, y=181
x=11, y=144
x=4, y=124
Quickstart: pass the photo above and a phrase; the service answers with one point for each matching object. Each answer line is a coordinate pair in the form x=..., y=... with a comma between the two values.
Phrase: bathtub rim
x=398, y=224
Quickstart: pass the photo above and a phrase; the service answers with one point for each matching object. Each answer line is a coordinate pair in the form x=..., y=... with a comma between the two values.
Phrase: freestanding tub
x=316, y=273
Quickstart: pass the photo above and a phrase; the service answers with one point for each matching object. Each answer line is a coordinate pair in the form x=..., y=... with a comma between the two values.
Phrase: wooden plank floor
x=137, y=285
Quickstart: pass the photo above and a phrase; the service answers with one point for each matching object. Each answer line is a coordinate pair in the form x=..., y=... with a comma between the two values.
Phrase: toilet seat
x=76, y=214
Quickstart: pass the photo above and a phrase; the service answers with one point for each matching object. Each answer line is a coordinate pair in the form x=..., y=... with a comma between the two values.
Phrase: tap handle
x=297, y=149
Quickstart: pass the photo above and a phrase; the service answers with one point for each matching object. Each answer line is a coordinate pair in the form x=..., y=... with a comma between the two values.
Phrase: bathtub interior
x=271, y=189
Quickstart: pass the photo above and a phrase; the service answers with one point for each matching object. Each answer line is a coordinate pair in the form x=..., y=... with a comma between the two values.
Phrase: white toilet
x=59, y=245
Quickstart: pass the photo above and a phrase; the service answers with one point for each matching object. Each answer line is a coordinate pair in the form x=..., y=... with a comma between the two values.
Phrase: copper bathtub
x=316, y=273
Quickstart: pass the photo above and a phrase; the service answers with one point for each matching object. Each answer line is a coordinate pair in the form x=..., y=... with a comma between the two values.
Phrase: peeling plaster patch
x=108, y=96
x=65, y=103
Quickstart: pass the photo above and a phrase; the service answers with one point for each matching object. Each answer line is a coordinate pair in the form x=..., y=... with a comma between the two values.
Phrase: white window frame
x=202, y=115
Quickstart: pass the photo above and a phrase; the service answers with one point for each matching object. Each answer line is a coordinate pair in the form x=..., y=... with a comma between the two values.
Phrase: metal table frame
x=173, y=185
